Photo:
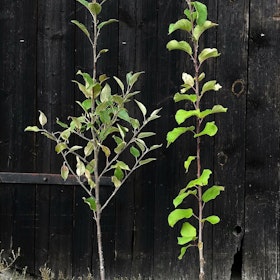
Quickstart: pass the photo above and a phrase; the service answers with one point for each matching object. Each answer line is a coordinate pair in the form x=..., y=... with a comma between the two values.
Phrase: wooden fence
x=40, y=52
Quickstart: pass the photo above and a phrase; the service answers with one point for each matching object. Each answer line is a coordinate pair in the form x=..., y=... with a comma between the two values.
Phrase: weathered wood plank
x=56, y=99
x=230, y=141
x=261, y=248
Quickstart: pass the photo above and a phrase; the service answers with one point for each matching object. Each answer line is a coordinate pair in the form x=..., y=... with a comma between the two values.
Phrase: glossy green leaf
x=208, y=53
x=64, y=172
x=102, y=24
x=212, y=220
x=32, y=128
x=201, y=10
x=124, y=115
x=120, y=147
x=90, y=201
x=141, y=144
x=212, y=193
x=210, y=129
x=182, y=45
x=176, y=132
x=75, y=148
x=42, y=118
x=134, y=151
x=65, y=134
x=199, y=29
x=181, y=115
x=60, y=147
x=119, y=174
x=188, y=162
x=179, y=214
x=182, y=24
x=180, y=198
x=182, y=97
x=120, y=164
x=82, y=27
x=183, y=251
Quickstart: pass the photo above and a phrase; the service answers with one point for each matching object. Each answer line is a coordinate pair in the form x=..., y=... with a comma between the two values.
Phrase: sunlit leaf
x=182, y=24
x=176, y=132
x=102, y=24
x=32, y=128
x=146, y=161
x=118, y=173
x=181, y=115
x=183, y=251
x=80, y=167
x=133, y=79
x=60, y=147
x=208, y=53
x=117, y=183
x=82, y=27
x=212, y=220
x=179, y=214
x=188, y=162
x=145, y=134
x=201, y=181
x=199, y=29
x=106, y=150
x=120, y=83
x=181, y=97
x=105, y=93
x=94, y=8
x=141, y=107
x=64, y=171
x=179, y=198
x=90, y=201
x=201, y=10
x=212, y=193
x=210, y=129
x=134, y=151
x=62, y=124
x=188, y=231
x=210, y=85
x=182, y=45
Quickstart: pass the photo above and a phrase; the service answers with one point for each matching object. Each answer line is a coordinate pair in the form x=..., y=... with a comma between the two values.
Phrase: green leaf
x=188, y=80
x=179, y=214
x=141, y=107
x=60, y=147
x=188, y=162
x=210, y=129
x=215, y=110
x=146, y=161
x=179, y=198
x=120, y=83
x=176, y=132
x=181, y=97
x=122, y=130
x=201, y=10
x=87, y=93
x=94, y=8
x=87, y=78
x=119, y=174
x=62, y=124
x=80, y=167
x=102, y=24
x=42, y=118
x=212, y=193
x=65, y=134
x=182, y=46
x=120, y=164
x=199, y=29
x=188, y=231
x=32, y=128
x=117, y=183
x=90, y=166
x=75, y=148
x=201, y=181
x=182, y=24
x=145, y=134
x=133, y=79
x=105, y=93
x=64, y=171
x=120, y=147
x=210, y=85
x=181, y=115
x=82, y=27
x=124, y=115
x=154, y=115
x=154, y=147
x=90, y=201
x=141, y=144
x=49, y=135
x=201, y=76
x=106, y=150
x=188, y=14
x=134, y=151
x=83, y=2
x=208, y=53
x=212, y=219
x=183, y=251
x=117, y=139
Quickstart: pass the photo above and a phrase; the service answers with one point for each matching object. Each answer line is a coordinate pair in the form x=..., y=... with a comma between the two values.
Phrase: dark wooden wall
x=40, y=51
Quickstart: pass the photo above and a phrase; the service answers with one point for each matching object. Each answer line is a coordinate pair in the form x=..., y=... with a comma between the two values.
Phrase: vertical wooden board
x=170, y=177
x=262, y=145
x=230, y=141
x=124, y=200
x=18, y=76
x=55, y=99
